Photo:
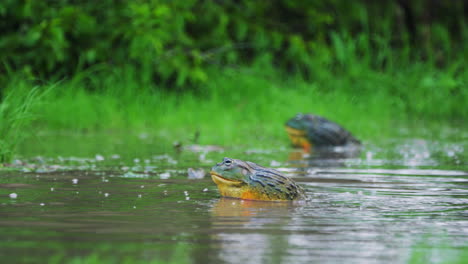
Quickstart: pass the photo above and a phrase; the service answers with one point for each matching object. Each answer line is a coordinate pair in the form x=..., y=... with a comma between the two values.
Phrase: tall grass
x=249, y=104
x=238, y=105
x=16, y=108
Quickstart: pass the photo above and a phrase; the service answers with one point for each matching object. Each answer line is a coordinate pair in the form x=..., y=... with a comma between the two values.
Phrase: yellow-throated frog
x=307, y=131
x=247, y=180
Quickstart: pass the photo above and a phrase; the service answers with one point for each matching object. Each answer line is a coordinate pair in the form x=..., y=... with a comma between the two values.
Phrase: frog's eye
x=227, y=162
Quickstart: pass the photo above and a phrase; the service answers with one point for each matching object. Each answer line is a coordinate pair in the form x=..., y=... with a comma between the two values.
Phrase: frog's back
x=321, y=132
x=324, y=132
x=274, y=184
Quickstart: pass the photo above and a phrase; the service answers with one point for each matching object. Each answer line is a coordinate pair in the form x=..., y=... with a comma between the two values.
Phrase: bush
x=172, y=42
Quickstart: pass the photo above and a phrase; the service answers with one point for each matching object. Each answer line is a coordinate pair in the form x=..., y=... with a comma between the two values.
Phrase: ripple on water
x=373, y=206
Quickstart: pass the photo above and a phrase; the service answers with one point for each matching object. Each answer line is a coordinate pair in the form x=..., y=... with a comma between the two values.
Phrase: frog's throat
x=220, y=180
x=299, y=138
x=295, y=132
x=239, y=189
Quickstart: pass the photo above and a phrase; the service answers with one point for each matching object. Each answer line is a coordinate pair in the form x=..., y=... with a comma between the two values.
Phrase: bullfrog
x=247, y=180
x=307, y=131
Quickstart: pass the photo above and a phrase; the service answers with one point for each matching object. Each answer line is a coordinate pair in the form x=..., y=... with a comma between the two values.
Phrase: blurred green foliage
x=173, y=42
x=15, y=114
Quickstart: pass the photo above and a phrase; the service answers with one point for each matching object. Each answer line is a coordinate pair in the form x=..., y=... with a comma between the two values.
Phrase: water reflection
x=251, y=231
x=408, y=153
x=324, y=157
x=245, y=211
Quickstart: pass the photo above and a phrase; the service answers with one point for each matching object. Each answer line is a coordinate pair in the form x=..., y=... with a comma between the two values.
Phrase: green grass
x=257, y=97
x=246, y=105
x=16, y=107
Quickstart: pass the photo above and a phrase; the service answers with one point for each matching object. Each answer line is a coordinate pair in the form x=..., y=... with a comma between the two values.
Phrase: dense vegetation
x=176, y=41
x=203, y=65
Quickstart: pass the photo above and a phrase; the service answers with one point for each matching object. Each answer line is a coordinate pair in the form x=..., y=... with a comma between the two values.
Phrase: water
x=401, y=200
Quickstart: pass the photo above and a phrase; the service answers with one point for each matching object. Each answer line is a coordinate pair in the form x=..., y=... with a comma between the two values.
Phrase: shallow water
x=397, y=201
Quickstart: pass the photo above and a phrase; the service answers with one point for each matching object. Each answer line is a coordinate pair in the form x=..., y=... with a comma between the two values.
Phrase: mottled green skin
x=252, y=181
x=321, y=132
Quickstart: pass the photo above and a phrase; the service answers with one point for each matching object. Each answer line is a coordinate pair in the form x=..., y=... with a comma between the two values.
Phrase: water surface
x=402, y=200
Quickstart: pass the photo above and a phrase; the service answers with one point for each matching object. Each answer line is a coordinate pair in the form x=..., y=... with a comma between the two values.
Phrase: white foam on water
x=165, y=175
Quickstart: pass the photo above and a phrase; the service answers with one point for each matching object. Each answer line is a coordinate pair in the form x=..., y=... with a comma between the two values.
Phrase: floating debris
x=203, y=148
x=166, y=157
x=99, y=157
x=187, y=198
x=275, y=163
x=106, y=195
x=115, y=156
x=161, y=157
x=202, y=158
x=42, y=204
x=205, y=190
x=196, y=174
x=131, y=174
x=52, y=189
x=18, y=162
x=257, y=151
x=139, y=196
x=75, y=181
x=13, y=195
x=165, y=175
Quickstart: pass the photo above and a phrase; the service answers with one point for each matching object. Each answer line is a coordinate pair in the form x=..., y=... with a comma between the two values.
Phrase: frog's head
x=230, y=172
x=297, y=131
x=232, y=177
x=298, y=122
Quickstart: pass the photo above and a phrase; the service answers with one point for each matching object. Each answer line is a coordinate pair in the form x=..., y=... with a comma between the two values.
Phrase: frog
x=309, y=130
x=246, y=180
